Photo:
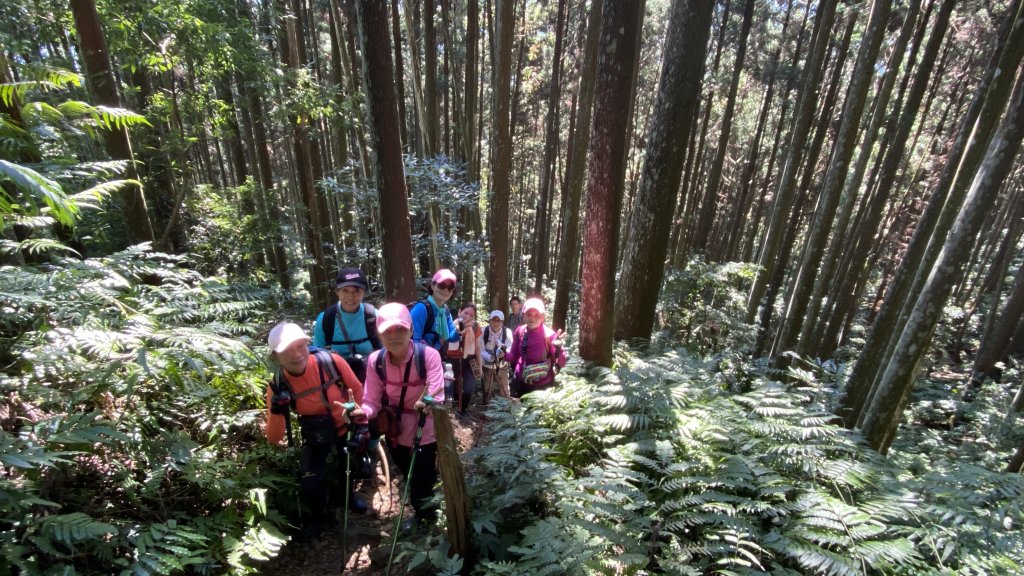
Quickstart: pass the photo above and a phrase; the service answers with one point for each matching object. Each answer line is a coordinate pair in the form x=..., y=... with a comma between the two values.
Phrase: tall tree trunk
x=399, y=275
x=551, y=142
x=613, y=97
x=568, y=265
x=305, y=156
x=93, y=47
x=686, y=41
x=396, y=39
x=498, y=216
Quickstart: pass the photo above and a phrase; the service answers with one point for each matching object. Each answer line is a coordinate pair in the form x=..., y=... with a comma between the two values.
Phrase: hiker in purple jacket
x=537, y=351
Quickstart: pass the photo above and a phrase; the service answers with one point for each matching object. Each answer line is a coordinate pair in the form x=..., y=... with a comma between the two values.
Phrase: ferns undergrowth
x=128, y=423
x=660, y=468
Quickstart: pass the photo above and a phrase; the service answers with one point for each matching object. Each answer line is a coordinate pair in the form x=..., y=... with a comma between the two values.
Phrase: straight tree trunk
x=568, y=265
x=498, y=217
x=396, y=235
x=96, y=57
x=613, y=96
x=686, y=41
x=551, y=145
x=396, y=35
x=305, y=155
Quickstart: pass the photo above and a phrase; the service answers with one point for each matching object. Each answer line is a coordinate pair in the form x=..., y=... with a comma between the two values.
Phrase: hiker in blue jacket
x=432, y=322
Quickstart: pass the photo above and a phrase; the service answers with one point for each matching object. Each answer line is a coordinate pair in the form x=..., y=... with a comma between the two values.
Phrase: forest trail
x=369, y=535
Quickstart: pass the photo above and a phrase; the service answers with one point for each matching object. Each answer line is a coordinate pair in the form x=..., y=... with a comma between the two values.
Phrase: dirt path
x=369, y=535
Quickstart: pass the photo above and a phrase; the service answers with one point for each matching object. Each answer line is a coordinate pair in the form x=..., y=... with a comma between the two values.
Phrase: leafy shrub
x=704, y=305
x=681, y=475
x=128, y=438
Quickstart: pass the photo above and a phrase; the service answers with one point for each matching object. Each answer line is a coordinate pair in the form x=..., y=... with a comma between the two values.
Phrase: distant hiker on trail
x=431, y=320
x=399, y=377
x=537, y=353
x=321, y=388
x=471, y=369
x=515, y=315
x=349, y=326
x=494, y=342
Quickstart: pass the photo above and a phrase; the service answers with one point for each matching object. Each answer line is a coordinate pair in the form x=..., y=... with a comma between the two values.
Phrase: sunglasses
x=446, y=286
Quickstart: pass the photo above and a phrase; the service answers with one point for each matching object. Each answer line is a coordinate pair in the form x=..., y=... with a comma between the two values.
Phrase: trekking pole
x=349, y=407
x=429, y=401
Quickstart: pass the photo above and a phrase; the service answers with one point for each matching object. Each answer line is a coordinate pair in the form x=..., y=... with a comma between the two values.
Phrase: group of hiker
x=368, y=375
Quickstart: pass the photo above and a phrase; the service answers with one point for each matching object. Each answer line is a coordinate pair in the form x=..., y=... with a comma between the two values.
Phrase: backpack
x=428, y=326
x=504, y=331
x=331, y=319
x=328, y=375
x=419, y=355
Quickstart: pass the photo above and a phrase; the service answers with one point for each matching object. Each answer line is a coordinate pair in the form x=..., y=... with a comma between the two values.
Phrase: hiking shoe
x=357, y=504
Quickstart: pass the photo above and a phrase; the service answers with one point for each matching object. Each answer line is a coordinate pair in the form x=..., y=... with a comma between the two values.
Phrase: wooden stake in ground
x=453, y=481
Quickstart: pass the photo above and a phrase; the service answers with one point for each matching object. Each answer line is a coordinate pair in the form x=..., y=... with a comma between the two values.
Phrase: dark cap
x=352, y=277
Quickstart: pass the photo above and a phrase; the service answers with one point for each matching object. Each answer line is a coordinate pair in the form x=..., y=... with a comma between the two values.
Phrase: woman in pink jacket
x=537, y=351
x=403, y=373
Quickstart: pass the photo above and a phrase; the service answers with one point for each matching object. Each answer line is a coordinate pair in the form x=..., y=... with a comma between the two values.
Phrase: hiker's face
x=516, y=305
x=294, y=357
x=350, y=297
x=468, y=315
x=396, y=339
x=496, y=323
x=533, y=318
x=442, y=291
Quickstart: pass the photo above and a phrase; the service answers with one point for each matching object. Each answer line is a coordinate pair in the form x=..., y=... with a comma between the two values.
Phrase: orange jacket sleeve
x=275, y=422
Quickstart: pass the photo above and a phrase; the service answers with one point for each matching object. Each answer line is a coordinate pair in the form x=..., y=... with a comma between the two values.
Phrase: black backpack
x=428, y=326
x=331, y=319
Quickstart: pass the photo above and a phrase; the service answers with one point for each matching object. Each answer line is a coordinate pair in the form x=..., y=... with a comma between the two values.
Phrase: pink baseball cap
x=283, y=335
x=533, y=304
x=444, y=274
x=391, y=315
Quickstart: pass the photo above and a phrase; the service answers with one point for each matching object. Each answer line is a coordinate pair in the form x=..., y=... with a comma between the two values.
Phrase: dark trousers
x=313, y=478
x=424, y=476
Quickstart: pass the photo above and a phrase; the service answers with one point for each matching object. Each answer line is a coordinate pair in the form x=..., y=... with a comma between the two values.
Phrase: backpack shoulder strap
x=370, y=316
x=327, y=324
x=421, y=359
x=378, y=366
x=328, y=370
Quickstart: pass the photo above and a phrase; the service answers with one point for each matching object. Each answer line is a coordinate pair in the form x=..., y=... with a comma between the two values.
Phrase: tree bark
x=613, y=97
x=686, y=41
x=568, y=265
x=396, y=235
x=498, y=216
